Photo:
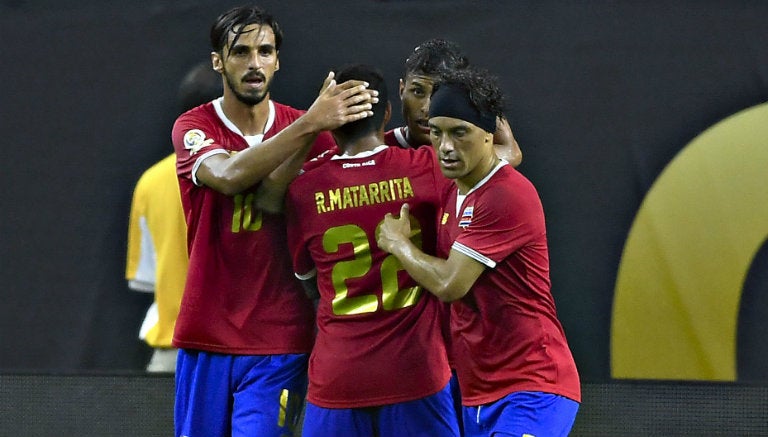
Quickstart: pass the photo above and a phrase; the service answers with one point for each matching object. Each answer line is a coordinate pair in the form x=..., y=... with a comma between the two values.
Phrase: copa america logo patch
x=194, y=140
x=466, y=216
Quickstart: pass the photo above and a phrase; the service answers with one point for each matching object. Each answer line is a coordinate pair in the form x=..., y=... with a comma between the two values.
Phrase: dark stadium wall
x=603, y=97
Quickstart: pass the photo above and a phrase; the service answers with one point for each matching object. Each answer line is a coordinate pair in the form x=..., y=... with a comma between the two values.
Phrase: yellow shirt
x=157, y=249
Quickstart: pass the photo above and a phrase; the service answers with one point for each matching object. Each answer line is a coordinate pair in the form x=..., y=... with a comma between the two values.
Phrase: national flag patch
x=466, y=216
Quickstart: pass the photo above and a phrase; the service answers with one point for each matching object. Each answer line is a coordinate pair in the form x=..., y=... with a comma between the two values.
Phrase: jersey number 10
x=245, y=216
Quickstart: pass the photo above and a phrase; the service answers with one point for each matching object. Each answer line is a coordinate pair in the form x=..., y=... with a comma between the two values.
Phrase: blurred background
x=643, y=125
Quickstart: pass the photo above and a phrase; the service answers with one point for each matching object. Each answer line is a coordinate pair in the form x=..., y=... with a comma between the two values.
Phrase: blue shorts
x=525, y=413
x=238, y=395
x=456, y=395
x=426, y=417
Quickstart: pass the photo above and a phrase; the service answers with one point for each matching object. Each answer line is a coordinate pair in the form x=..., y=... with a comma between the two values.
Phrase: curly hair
x=482, y=88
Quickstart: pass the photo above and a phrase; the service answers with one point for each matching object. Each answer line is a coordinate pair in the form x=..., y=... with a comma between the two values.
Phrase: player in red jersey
x=245, y=327
x=515, y=369
x=379, y=365
x=422, y=68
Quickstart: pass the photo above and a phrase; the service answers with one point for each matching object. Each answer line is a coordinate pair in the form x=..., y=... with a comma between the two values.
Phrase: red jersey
x=379, y=340
x=505, y=332
x=396, y=138
x=241, y=297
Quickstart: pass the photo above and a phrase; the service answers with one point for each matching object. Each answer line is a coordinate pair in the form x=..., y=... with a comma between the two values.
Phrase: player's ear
x=216, y=62
x=387, y=113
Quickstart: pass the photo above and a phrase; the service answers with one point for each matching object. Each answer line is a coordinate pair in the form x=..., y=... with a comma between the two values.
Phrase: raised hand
x=338, y=104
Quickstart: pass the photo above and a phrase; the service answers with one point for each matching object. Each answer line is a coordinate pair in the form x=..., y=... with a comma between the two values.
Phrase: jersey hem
x=378, y=402
x=242, y=351
x=482, y=400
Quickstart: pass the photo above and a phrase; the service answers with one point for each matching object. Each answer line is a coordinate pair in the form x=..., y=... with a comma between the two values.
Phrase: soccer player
x=515, y=369
x=245, y=327
x=379, y=365
x=422, y=69
x=157, y=259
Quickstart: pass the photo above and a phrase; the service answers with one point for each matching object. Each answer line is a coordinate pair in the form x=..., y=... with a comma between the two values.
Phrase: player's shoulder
x=396, y=138
x=200, y=112
x=284, y=111
x=423, y=158
x=390, y=139
x=314, y=165
x=200, y=117
x=508, y=183
x=514, y=177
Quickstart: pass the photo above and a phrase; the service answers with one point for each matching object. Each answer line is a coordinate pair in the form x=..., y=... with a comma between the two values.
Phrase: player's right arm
x=448, y=279
x=335, y=106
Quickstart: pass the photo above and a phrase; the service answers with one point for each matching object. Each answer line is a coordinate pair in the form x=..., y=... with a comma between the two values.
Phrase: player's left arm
x=448, y=279
x=505, y=144
x=270, y=195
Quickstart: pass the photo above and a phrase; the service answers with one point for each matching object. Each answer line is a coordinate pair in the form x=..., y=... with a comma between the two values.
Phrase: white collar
x=251, y=139
x=365, y=154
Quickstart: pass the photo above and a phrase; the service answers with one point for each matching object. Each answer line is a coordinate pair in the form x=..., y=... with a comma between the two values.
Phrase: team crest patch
x=194, y=140
x=466, y=216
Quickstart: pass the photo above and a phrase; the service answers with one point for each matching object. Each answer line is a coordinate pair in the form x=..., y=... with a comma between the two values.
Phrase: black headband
x=451, y=100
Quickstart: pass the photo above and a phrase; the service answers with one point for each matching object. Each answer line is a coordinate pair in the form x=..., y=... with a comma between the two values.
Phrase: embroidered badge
x=194, y=140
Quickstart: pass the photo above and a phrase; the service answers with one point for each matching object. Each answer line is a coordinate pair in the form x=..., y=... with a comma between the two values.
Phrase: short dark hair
x=200, y=85
x=375, y=79
x=481, y=86
x=238, y=18
x=434, y=56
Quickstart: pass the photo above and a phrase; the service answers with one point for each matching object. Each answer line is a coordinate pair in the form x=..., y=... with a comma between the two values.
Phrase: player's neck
x=250, y=119
x=412, y=143
x=480, y=172
x=360, y=145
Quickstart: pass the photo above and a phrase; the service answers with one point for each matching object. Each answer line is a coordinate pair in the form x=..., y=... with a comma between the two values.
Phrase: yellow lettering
x=407, y=188
x=397, y=188
x=363, y=196
x=320, y=202
x=347, y=198
x=251, y=215
x=334, y=202
x=245, y=216
x=237, y=214
x=385, y=191
x=373, y=190
x=355, y=195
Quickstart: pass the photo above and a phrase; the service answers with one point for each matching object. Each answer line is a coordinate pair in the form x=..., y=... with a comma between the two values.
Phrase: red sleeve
x=499, y=228
x=192, y=139
x=297, y=246
x=323, y=142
